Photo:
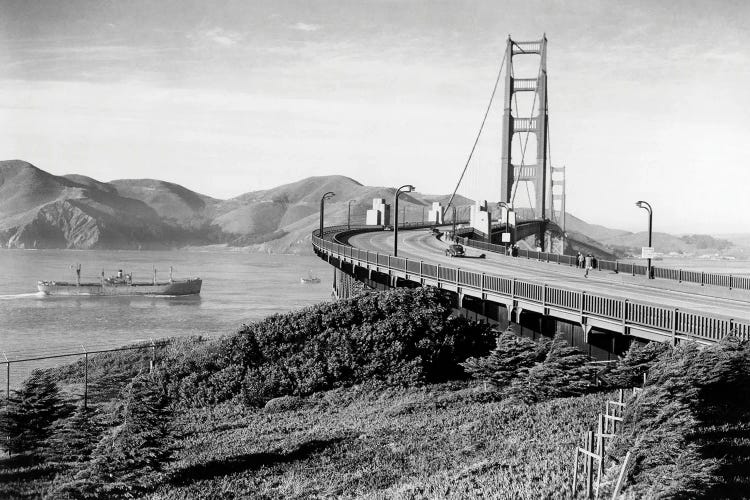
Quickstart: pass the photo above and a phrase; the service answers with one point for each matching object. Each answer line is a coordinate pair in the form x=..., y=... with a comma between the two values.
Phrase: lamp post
x=349, y=215
x=406, y=188
x=329, y=194
x=646, y=206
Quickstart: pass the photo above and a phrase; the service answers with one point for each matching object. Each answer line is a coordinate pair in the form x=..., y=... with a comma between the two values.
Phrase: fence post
x=703, y=274
x=679, y=276
x=153, y=356
x=730, y=281
x=7, y=380
x=575, y=471
x=600, y=452
x=589, y=464
x=620, y=477
x=85, y=377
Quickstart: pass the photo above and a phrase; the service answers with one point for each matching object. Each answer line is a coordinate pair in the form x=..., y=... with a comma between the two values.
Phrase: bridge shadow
x=250, y=461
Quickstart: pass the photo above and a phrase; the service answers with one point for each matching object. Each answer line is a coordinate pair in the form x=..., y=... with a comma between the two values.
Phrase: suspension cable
x=481, y=127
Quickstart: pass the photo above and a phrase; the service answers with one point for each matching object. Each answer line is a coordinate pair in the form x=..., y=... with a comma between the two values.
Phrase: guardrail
x=680, y=275
x=667, y=321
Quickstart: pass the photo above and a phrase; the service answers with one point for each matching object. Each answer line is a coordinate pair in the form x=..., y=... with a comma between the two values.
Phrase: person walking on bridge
x=587, y=263
x=579, y=259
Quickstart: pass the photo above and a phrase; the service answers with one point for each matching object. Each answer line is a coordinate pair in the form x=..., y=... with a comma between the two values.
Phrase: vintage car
x=454, y=251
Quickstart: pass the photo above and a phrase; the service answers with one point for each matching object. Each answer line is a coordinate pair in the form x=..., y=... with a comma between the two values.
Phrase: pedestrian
x=587, y=263
x=579, y=259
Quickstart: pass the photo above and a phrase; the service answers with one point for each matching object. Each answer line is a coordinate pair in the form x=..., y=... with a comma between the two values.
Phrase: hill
x=41, y=210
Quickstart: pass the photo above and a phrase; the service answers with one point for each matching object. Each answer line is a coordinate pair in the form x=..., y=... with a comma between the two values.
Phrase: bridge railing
x=698, y=277
x=668, y=321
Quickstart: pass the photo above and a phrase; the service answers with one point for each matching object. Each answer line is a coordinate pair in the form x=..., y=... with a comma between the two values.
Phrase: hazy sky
x=648, y=100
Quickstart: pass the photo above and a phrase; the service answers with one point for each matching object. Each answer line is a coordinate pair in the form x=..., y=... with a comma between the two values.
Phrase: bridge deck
x=421, y=244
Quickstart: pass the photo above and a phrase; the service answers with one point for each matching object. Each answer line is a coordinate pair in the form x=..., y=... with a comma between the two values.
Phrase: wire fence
x=93, y=373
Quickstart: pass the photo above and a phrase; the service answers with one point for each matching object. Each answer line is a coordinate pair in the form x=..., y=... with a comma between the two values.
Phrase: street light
x=349, y=215
x=646, y=206
x=406, y=188
x=328, y=195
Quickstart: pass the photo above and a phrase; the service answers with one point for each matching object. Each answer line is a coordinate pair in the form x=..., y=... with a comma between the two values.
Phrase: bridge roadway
x=422, y=245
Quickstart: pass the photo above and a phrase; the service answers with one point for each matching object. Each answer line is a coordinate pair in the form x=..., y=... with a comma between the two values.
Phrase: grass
x=437, y=441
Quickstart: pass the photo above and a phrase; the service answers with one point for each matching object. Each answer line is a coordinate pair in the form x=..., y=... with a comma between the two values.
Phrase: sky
x=647, y=99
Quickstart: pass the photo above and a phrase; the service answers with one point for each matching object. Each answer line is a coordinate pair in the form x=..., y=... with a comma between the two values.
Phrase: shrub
x=690, y=424
x=401, y=337
x=32, y=411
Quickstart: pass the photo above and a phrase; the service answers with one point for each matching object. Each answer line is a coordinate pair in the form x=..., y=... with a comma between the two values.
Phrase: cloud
x=222, y=37
x=300, y=26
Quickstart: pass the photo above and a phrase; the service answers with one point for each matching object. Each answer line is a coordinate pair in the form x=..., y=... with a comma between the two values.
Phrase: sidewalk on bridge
x=663, y=284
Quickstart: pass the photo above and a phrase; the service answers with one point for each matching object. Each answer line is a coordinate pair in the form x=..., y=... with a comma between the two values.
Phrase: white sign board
x=647, y=252
x=506, y=237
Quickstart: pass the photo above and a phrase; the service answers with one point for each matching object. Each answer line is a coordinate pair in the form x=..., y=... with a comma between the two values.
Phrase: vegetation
x=691, y=425
x=28, y=419
x=629, y=371
x=74, y=438
x=403, y=337
x=520, y=368
x=373, y=397
x=374, y=442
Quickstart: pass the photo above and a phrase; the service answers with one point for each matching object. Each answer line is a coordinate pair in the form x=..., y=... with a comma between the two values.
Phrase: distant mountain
x=41, y=210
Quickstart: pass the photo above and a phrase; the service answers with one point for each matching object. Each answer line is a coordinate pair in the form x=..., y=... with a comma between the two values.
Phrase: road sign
x=647, y=252
x=506, y=237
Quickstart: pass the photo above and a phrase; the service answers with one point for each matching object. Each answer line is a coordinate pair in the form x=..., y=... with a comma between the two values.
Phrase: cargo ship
x=121, y=284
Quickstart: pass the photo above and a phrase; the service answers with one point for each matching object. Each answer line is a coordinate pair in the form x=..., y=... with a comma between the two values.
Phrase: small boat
x=121, y=284
x=310, y=279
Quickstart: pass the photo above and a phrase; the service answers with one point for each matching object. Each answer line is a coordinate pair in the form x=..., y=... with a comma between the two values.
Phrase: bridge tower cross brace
x=538, y=125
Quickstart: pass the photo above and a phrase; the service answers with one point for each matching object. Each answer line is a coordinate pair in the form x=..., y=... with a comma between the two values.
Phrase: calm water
x=237, y=288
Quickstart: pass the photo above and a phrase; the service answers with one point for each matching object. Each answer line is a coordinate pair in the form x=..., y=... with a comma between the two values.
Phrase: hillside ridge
x=42, y=210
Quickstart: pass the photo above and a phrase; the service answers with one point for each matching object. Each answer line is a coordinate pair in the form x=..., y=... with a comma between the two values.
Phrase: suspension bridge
x=539, y=285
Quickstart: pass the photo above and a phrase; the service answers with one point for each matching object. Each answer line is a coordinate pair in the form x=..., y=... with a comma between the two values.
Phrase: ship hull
x=181, y=287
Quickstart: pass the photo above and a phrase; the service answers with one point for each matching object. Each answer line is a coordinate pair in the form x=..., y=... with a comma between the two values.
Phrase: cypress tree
x=74, y=438
x=28, y=419
x=628, y=372
x=512, y=357
x=563, y=372
x=130, y=457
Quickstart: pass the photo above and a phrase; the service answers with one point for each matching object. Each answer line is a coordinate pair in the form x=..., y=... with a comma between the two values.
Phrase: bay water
x=238, y=288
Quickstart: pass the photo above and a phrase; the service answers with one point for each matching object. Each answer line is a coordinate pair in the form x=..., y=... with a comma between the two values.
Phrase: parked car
x=454, y=251
x=387, y=228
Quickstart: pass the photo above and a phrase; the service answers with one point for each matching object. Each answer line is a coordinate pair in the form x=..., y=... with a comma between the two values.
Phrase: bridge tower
x=534, y=173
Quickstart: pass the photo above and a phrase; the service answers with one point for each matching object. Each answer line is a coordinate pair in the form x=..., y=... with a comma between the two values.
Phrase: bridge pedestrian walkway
x=422, y=245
